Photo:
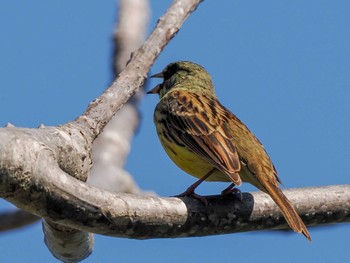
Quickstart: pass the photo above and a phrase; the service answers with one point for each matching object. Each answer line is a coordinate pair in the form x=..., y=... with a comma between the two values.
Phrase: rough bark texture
x=90, y=209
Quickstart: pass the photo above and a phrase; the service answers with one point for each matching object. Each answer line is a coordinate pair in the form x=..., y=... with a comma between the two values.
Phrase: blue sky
x=281, y=67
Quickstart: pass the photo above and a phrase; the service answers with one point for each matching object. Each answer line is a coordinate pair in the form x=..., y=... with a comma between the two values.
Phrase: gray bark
x=75, y=204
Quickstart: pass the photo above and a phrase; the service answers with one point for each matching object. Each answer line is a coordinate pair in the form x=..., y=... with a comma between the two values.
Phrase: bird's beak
x=155, y=90
x=158, y=75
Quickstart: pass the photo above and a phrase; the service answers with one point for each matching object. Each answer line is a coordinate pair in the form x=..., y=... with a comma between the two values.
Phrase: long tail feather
x=290, y=214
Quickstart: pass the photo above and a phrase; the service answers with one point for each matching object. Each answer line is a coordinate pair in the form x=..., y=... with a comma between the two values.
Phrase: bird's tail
x=290, y=214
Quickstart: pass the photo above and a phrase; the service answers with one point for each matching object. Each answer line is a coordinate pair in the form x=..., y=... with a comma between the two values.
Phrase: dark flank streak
x=166, y=135
x=163, y=122
x=170, y=149
x=176, y=122
x=172, y=130
x=175, y=139
x=194, y=145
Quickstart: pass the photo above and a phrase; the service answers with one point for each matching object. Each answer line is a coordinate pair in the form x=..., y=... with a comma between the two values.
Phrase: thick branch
x=75, y=204
x=23, y=150
x=67, y=244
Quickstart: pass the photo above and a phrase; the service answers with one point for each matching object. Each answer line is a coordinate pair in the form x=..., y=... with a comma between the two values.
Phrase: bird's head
x=183, y=75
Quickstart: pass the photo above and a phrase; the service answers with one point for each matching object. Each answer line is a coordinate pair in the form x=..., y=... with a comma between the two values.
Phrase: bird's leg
x=228, y=190
x=232, y=190
x=190, y=190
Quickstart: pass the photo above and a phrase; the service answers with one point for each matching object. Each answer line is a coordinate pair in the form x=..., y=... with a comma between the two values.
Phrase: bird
x=207, y=141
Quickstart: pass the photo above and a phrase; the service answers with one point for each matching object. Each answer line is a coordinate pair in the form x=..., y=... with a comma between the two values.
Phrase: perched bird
x=209, y=142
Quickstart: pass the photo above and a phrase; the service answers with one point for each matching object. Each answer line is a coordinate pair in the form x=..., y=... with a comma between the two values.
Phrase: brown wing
x=193, y=121
x=261, y=168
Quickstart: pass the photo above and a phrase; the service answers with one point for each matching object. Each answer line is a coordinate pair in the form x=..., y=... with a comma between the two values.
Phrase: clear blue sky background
x=281, y=67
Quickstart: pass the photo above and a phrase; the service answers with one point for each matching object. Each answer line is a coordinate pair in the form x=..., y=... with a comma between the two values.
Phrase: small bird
x=209, y=142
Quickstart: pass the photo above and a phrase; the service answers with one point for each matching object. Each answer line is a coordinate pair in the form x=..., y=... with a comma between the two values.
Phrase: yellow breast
x=189, y=162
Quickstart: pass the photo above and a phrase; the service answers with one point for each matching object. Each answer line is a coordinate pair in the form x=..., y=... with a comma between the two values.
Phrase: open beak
x=155, y=90
x=158, y=75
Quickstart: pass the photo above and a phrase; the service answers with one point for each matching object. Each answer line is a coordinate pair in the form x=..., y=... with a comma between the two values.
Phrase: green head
x=184, y=75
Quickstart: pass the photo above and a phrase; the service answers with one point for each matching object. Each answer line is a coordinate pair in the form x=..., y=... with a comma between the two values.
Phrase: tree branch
x=133, y=76
x=72, y=203
x=112, y=146
x=67, y=149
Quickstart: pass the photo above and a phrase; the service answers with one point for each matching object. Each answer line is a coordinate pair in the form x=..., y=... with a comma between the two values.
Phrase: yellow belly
x=197, y=167
x=191, y=163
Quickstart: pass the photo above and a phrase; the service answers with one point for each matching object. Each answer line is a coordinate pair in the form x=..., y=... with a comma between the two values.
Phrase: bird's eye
x=170, y=71
x=174, y=68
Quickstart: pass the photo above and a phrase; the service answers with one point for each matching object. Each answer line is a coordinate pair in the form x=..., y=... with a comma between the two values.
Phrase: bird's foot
x=190, y=193
x=231, y=190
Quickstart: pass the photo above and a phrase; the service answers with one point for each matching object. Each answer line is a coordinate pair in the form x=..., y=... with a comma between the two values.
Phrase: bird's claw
x=189, y=193
x=234, y=191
